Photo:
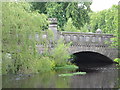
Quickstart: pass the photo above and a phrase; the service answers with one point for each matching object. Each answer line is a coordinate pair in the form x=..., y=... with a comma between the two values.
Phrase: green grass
x=67, y=67
x=72, y=74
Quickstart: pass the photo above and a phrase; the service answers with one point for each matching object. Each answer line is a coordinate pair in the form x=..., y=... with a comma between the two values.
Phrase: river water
x=103, y=76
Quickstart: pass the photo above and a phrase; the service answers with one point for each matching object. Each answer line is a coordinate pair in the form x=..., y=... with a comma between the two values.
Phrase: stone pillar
x=53, y=27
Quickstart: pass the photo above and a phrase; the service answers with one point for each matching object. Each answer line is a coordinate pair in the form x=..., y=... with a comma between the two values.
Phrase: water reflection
x=103, y=77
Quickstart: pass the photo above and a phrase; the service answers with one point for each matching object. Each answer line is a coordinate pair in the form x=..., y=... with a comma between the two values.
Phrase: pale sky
x=98, y=5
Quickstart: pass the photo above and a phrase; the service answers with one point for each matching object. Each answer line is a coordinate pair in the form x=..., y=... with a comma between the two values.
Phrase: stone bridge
x=83, y=42
x=94, y=42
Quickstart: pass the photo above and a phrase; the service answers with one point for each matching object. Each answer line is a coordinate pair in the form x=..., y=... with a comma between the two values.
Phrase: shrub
x=42, y=64
x=117, y=60
x=60, y=53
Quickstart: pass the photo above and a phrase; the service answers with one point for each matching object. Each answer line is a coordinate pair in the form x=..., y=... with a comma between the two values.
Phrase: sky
x=98, y=5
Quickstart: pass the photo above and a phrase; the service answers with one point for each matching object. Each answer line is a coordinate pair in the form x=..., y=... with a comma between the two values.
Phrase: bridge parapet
x=86, y=38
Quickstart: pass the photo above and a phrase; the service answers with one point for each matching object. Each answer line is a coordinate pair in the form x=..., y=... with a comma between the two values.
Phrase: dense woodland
x=22, y=20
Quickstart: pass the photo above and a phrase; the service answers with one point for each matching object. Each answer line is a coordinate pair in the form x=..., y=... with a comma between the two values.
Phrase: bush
x=42, y=64
x=60, y=53
x=117, y=60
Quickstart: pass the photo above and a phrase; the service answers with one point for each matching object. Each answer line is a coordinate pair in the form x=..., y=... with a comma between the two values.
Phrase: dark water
x=103, y=76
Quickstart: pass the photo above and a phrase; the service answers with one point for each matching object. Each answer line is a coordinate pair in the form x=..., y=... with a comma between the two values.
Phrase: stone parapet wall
x=86, y=38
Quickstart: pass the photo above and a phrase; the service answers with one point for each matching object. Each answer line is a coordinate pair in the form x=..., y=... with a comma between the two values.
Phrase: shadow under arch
x=90, y=57
x=88, y=60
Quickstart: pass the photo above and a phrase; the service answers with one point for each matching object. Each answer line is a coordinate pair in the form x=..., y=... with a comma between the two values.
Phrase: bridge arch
x=90, y=57
x=93, y=43
x=107, y=51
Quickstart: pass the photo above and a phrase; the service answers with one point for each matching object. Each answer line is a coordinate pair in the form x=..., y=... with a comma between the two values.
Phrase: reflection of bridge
x=94, y=42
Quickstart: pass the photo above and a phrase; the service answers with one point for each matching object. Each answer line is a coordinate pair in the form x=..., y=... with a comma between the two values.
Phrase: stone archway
x=91, y=57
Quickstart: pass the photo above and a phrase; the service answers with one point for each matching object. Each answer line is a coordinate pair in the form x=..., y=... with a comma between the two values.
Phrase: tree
x=79, y=14
x=65, y=10
x=69, y=26
x=108, y=21
x=19, y=52
x=19, y=27
x=56, y=10
x=40, y=6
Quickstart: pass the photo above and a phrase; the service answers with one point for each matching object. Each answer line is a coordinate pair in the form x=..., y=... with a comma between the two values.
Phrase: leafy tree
x=69, y=26
x=65, y=10
x=40, y=6
x=107, y=20
x=79, y=14
x=60, y=49
x=19, y=27
x=85, y=28
x=55, y=10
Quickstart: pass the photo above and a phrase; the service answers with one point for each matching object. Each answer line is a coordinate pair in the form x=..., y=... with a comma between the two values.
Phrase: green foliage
x=68, y=67
x=42, y=64
x=72, y=74
x=69, y=26
x=39, y=6
x=50, y=34
x=19, y=27
x=56, y=10
x=65, y=10
x=107, y=21
x=85, y=28
x=117, y=60
x=7, y=64
x=79, y=15
x=116, y=32
x=60, y=53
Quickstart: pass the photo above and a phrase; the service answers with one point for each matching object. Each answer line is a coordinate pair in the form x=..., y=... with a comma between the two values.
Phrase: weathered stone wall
x=86, y=38
x=93, y=42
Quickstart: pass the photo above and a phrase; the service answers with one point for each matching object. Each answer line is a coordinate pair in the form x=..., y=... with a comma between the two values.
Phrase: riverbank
x=104, y=77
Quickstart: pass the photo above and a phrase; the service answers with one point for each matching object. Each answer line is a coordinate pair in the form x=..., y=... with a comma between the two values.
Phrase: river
x=105, y=76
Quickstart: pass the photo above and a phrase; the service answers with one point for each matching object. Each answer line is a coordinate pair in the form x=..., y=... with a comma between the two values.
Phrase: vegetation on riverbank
x=21, y=23
x=67, y=67
x=20, y=55
x=72, y=74
x=117, y=60
x=19, y=27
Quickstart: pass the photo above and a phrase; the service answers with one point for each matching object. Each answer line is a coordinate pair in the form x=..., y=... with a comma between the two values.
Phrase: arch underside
x=108, y=52
x=91, y=57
